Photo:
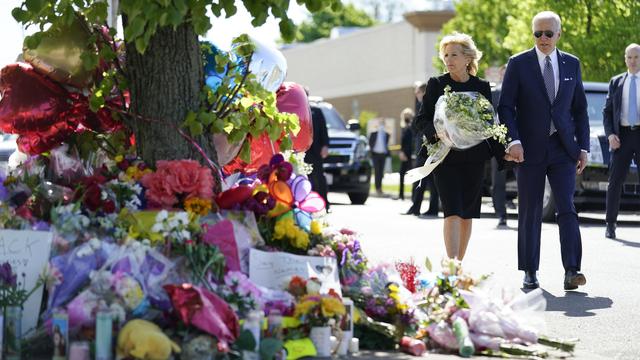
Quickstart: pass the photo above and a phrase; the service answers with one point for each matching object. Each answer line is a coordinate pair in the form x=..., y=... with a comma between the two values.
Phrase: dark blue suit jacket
x=613, y=107
x=526, y=110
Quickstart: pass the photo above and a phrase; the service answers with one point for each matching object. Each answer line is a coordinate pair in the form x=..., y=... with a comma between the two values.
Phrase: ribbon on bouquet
x=432, y=162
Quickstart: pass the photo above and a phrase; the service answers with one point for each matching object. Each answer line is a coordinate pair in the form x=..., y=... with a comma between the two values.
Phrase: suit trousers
x=560, y=169
x=619, y=168
x=319, y=181
x=404, y=167
x=498, y=190
x=378, y=168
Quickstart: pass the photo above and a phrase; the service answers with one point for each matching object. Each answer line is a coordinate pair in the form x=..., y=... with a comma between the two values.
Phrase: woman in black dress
x=459, y=177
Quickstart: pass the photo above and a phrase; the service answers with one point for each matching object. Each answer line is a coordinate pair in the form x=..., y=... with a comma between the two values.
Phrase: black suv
x=348, y=166
x=591, y=185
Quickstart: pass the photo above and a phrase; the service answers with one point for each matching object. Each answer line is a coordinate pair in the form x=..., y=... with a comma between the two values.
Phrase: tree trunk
x=165, y=84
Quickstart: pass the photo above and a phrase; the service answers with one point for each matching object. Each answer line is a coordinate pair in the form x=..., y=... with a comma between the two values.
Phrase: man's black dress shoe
x=502, y=221
x=530, y=280
x=573, y=279
x=610, y=233
x=411, y=212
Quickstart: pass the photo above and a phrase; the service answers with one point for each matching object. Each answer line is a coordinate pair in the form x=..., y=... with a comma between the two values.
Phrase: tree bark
x=165, y=84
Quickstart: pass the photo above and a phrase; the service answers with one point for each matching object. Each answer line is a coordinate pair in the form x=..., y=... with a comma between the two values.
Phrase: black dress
x=460, y=176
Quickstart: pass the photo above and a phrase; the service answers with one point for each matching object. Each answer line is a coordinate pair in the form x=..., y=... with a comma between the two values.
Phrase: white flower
x=162, y=215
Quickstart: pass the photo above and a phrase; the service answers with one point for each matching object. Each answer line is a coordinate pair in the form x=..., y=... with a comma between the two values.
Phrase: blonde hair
x=469, y=49
x=406, y=116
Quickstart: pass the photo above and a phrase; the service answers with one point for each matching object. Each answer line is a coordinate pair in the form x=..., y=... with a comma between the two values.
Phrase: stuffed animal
x=142, y=339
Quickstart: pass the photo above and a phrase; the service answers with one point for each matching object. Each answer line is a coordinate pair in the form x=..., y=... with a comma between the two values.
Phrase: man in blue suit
x=622, y=126
x=544, y=107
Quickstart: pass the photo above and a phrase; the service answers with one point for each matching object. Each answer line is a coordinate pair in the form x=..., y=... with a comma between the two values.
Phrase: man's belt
x=631, y=128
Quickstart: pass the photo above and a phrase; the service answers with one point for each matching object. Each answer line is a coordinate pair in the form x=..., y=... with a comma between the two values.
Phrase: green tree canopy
x=321, y=23
x=597, y=31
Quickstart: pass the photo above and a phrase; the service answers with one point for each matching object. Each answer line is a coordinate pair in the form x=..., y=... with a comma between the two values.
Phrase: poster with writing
x=28, y=253
x=274, y=269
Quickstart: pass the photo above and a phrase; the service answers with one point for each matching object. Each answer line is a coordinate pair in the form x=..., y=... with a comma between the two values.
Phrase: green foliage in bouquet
x=13, y=292
x=474, y=115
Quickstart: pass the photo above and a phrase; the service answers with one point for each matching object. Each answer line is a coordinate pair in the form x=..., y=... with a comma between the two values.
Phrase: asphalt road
x=603, y=314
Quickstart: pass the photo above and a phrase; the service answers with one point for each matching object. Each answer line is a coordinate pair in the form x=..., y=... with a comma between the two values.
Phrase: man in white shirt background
x=379, y=143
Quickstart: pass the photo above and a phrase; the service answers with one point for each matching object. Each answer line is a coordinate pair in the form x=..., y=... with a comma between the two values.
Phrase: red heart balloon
x=39, y=142
x=262, y=150
x=30, y=102
x=228, y=198
x=292, y=98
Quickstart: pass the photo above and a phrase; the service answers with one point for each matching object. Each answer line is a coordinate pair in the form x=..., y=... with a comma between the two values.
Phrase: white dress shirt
x=379, y=147
x=624, y=113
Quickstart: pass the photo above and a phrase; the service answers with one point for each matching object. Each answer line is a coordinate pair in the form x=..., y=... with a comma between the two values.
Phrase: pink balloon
x=291, y=98
x=313, y=203
x=301, y=187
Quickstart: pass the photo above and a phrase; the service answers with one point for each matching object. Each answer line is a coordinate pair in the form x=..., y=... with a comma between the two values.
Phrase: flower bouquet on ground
x=461, y=120
x=466, y=316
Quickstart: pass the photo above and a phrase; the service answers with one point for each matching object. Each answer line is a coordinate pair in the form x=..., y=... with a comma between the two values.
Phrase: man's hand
x=324, y=152
x=614, y=142
x=402, y=156
x=582, y=162
x=516, y=152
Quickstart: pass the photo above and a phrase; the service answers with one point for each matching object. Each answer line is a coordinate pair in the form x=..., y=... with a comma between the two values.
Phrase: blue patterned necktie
x=633, y=102
x=550, y=85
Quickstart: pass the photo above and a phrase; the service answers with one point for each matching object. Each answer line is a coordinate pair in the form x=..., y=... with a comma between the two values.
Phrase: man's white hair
x=632, y=46
x=547, y=15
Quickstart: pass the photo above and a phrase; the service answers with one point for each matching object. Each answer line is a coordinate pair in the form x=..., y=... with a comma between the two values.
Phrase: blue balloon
x=212, y=77
x=303, y=219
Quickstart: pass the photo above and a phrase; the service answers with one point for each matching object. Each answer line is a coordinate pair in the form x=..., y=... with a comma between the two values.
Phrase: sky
x=221, y=34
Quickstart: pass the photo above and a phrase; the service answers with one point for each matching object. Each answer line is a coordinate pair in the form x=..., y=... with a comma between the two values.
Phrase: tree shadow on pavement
x=576, y=303
x=627, y=243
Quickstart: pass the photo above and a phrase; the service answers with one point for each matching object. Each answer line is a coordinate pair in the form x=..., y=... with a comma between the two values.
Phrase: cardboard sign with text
x=28, y=253
x=274, y=269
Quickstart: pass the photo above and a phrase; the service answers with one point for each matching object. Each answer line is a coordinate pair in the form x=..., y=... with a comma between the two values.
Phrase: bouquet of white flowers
x=462, y=120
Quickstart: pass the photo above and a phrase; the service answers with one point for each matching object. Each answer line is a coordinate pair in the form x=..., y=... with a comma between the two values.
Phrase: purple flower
x=7, y=277
x=4, y=193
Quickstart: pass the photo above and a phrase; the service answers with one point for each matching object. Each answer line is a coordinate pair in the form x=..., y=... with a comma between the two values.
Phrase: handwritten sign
x=274, y=269
x=28, y=252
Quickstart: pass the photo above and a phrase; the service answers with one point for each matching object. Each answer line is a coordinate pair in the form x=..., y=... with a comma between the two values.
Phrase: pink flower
x=184, y=178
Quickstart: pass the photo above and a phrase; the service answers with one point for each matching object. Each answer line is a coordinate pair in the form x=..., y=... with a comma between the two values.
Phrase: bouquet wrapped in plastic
x=462, y=120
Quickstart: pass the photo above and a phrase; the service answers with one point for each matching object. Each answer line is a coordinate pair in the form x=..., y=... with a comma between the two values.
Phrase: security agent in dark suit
x=622, y=127
x=316, y=154
x=379, y=143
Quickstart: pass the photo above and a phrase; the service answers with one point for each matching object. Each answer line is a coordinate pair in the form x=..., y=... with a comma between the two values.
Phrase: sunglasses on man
x=547, y=33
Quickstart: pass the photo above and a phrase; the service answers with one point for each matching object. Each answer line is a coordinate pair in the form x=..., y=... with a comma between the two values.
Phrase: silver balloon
x=268, y=65
x=225, y=151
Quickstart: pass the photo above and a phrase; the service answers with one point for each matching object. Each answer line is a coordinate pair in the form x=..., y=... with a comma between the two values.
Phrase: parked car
x=7, y=147
x=348, y=166
x=591, y=185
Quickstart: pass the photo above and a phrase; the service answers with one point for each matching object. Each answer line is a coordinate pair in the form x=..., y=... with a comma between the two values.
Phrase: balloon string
x=189, y=139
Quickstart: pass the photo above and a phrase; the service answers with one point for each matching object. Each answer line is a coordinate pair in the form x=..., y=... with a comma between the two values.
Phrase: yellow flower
x=301, y=240
x=118, y=158
x=135, y=174
x=304, y=307
x=331, y=307
x=197, y=206
x=316, y=228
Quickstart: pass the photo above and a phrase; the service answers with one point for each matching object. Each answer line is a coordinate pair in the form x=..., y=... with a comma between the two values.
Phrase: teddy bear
x=142, y=339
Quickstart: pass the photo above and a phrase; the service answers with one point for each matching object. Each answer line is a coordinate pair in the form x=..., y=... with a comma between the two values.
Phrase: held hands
x=614, y=142
x=515, y=153
x=582, y=162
